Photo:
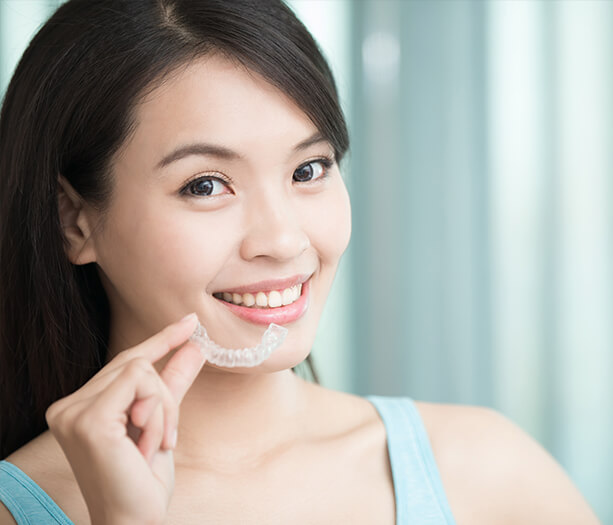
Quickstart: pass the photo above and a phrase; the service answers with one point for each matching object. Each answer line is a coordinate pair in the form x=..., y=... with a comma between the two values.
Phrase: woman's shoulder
x=43, y=462
x=41, y=459
x=491, y=468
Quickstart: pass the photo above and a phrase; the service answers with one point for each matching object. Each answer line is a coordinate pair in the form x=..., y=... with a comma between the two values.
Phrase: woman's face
x=224, y=184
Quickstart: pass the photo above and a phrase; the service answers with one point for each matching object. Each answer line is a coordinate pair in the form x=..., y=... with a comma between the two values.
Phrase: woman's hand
x=118, y=430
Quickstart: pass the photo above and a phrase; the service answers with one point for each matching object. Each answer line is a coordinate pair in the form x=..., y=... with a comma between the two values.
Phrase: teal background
x=480, y=172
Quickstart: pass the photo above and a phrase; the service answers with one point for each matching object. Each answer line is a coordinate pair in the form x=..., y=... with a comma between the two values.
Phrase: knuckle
x=137, y=367
x=70, y=421
x=51, y=417
x=83, y=424
x=55, y=415
x=51, y=412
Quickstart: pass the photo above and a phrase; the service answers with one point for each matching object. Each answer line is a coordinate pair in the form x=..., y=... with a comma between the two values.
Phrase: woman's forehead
x=215, y=100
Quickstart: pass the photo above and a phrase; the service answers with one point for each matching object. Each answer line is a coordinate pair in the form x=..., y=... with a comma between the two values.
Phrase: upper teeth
x=263, y=300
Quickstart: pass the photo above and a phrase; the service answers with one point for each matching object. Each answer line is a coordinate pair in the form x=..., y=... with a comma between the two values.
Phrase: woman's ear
x=75, y=224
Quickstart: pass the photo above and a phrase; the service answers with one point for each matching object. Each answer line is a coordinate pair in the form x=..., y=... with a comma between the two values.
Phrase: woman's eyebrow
x=198, y=148
x=316, y=138
x=214, y=150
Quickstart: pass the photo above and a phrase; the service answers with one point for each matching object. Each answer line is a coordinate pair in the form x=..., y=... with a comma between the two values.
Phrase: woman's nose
x=273, y=230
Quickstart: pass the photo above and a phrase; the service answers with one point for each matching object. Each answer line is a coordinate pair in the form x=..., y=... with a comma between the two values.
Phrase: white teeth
x=261, y=299
x=273, y=299
x=288, y=296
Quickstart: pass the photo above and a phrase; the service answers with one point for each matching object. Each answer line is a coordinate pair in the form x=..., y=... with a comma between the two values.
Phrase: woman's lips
x=280, y=315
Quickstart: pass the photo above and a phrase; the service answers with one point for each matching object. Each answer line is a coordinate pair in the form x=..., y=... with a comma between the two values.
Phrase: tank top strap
x=420, y=497
x=26, y=501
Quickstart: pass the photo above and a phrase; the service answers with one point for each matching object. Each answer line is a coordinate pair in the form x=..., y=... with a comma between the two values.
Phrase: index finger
x=174, y=335
x=156, y=347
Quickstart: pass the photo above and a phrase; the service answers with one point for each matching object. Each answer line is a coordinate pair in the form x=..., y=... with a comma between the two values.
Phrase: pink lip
x=269, y=285
x=281, y=315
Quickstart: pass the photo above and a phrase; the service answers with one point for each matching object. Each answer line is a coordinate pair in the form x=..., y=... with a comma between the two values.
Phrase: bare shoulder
x=6, y=518
x=43, y=461
x=38, y=457
x=30, y=459
x=494, y=472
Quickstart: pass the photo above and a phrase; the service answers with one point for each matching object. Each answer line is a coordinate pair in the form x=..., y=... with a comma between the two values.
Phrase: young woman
x=169, y=157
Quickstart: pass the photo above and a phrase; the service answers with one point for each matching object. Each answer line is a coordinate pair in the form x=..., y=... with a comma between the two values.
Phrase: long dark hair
x=68, y=109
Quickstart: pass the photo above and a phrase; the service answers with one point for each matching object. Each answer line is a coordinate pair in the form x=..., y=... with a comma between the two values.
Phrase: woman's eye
x=314, y=170
x=205, y=187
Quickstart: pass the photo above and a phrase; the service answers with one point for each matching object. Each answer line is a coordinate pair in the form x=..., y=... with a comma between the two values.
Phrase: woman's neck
x=229, y=419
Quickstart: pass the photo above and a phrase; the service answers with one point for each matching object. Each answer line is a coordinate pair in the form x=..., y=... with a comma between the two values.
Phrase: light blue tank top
x=419, y=494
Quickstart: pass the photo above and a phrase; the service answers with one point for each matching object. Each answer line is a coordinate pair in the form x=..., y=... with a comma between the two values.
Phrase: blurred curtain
x=481, y=183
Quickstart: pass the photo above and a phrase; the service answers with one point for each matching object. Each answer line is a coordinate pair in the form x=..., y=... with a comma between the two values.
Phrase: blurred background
x=481, y=178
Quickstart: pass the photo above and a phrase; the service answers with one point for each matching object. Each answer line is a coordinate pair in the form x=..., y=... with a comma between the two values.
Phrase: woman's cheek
x=198, y=245
x=329, y=221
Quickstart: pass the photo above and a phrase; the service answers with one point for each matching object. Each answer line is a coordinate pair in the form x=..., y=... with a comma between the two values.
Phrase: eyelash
x=326, y=163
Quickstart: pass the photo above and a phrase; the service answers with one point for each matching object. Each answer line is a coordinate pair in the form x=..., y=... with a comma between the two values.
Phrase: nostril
x=283, y=240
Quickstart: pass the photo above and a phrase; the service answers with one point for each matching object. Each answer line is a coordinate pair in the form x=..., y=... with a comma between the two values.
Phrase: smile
x=276, y=306
x=273, y=299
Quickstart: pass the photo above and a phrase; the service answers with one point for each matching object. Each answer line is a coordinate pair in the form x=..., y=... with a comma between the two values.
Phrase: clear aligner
x=271, y=340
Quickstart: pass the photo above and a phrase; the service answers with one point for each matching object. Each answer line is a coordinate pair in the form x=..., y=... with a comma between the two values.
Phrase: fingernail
x=190, y=317
x=174, y=438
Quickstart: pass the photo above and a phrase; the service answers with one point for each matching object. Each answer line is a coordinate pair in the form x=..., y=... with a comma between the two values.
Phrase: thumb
x=182, y=369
